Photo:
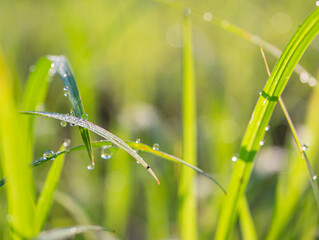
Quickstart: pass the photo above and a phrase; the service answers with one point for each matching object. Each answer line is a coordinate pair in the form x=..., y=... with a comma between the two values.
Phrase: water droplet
x=262, y=143
x=67, y=142
x=63, y=124
x=85, y=116
x=156, y=146
x=304, y=147
x=138, y=162
x=267, y=128
x=65, y=75
x=304, y=77
x=66, y=91
x=317, y=3
x=67, y=150
x=207, y=16
x=90, y=167
x=312, y=82
x=314, y=177
x=234, y=158
x=48, y=154
x=72, y=113
x=187, y=11
x=105, y=152
x=260, y=93
x=138, y=140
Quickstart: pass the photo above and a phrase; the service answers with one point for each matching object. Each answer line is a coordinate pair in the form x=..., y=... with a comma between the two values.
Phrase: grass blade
x=46, y=197
x=99, y=131
x=14, y=160
x=136, y=146
x=64, y=70
x=68, y=232
x=260, y=119
x=187, y=188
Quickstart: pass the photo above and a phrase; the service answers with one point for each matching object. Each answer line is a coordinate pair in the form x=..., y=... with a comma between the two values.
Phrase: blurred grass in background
x=127, y=61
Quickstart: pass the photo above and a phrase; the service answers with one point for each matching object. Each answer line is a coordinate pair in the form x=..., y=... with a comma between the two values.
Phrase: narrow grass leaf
x=68, y=232
x=187, y=187
x=64, y=70
x=15, y=159
x=99, y=131
x=136, y=146
x=46, y=197
x=260, y=119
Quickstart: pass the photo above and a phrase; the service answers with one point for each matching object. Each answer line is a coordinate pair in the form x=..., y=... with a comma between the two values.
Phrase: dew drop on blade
x=67, y=142
x=138, y=162
x=48, y=154
x=138, y=140
x=262, y=143
x=156, y=146
x=105, y=152
x=63, y=123
x=267, y=128
x=314, y=177
x=234, y=159
x=66, y=91
x=90, y=167
x=304, y=147
x=85, y=116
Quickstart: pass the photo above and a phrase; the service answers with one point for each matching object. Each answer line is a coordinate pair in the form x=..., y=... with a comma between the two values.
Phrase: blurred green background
x=127, y=61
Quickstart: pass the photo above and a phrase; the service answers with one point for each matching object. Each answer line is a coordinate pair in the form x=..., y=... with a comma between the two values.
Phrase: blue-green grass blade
x=260, y=119
x=68, y=232
x=99, y=131
x=63, y=69
x=46, y=197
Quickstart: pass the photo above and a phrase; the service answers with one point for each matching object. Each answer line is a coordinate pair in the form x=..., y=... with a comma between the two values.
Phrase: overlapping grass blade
x=46, y=197
x=99, y=131
x=260, y=119
x=64, y=70
x=68, y=232
x=296, y=181
x=246, y=222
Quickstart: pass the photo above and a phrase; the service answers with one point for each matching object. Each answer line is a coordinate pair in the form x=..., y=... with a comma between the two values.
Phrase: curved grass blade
x=136, y=146
x=260, y=119
x=68, y=232
x=46, y=197
x=99, y=131
x=64, y=70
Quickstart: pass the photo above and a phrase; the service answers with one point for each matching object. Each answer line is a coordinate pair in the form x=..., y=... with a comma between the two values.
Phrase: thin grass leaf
x=187, y=188
x=64, y=70
x=99, y=131
x=135, y=146
x=68, y=232
x=46, y=197
x=260, y=119
x=291, y=187
x=313, y=183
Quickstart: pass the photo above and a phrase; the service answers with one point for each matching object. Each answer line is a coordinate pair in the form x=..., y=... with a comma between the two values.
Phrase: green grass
x=168, y=74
